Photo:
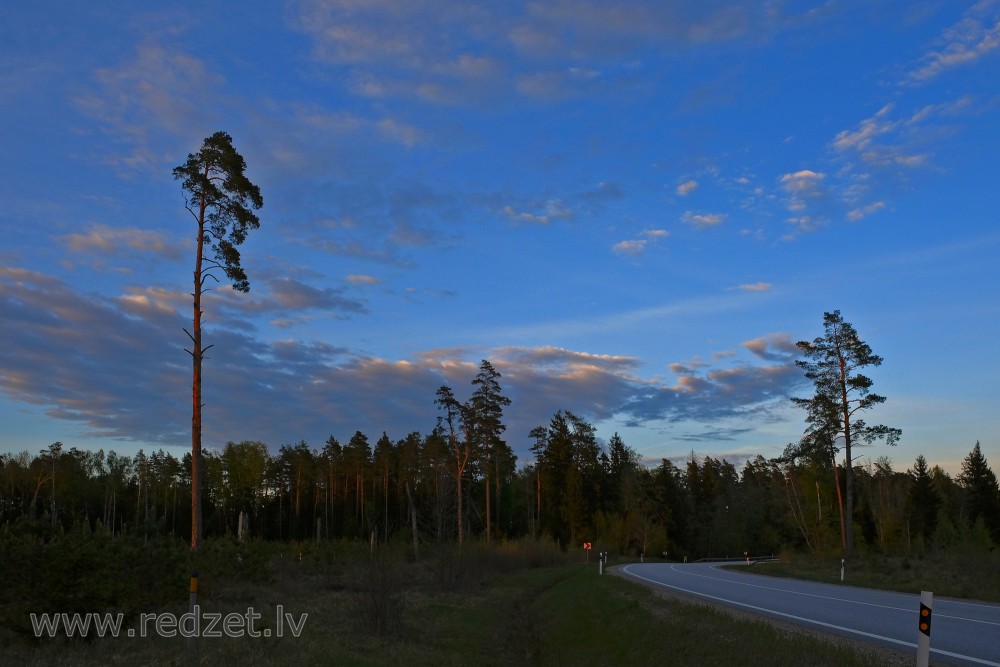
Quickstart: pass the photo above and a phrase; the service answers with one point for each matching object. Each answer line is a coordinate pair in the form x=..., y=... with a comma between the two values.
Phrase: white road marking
x=908, y=610
x=870, y=635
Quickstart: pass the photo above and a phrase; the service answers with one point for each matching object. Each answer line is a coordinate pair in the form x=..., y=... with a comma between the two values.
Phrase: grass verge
x=970, y=575
x=481, y=607
x=590, y=620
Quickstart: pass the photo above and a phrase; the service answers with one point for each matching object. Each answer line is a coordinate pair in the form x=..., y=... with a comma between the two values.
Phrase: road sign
x=586, y=546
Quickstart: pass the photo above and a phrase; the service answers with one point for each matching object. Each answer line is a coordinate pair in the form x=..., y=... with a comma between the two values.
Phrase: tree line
x=577, y=489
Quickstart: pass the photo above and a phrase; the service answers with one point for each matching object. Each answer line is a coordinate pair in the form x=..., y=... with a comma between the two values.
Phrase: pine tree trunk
x=458, y=486
x=196, y=355
x=488, y=514
x=413, y=523
x=848, y=464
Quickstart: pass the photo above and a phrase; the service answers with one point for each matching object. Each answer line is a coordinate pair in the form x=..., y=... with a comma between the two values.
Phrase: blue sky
x=633, y=210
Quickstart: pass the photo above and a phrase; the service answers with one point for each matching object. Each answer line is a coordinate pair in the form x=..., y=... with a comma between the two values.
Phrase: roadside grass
x=969, y=574
x=511, y=604
x=592, y=620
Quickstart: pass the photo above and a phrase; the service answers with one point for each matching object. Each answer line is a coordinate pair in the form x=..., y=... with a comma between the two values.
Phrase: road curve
x=962, y=632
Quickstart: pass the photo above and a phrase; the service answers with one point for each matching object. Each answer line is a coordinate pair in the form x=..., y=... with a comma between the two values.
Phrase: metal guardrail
x=751, y=559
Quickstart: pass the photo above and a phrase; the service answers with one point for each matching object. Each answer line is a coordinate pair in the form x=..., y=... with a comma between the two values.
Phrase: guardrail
x=751, y=560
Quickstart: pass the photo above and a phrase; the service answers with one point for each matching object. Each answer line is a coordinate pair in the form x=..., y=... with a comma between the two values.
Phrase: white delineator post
x=924, y=629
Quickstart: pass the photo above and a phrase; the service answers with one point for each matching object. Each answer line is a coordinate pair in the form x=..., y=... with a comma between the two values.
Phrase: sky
x=633, y=211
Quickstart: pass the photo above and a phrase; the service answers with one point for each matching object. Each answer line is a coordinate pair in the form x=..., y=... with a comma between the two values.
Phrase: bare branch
x=191, y=211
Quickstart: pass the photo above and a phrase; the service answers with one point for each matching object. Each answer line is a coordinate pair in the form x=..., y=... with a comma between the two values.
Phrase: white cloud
x=803, y=180
x=638, y=246
x=757, y=287
x=104, y=240
x=870, y=128
x=884, y=142
x=802, y=186
x=687, y=187
x=554, y=209
x=975, y=36
x=703, y=220
x=802, y=223
x=159, y=89
x=865, y=211
x=635, y=247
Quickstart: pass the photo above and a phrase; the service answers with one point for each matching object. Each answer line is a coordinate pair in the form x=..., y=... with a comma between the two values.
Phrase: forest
x=418, y=490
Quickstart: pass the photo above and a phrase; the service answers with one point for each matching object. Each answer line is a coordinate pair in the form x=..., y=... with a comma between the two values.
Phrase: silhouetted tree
x=832, y=363
x=982, y=492
x=219, y=197
x=485, y=414
x=454, y=418
x=923, y=502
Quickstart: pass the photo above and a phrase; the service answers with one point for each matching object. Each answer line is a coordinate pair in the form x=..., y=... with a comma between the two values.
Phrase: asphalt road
x=962, y=632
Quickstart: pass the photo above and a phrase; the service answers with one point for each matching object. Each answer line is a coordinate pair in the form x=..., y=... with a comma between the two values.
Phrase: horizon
x=632, y=211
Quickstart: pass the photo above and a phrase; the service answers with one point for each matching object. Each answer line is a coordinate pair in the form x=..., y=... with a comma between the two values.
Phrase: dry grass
x=969, y=574
x=516, y=603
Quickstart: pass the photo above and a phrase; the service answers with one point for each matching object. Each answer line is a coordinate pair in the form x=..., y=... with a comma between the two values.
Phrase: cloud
x=802, y=224
x=318, y=122
x=155, y=305
x=703, y=220
x=772, y=347
x=436, y=53
x=109, y=365
x=974, y=37
x=157, y=90
x=484, y=52
x=718, y=435
x=802, y=187
x=122, y=243
x=756, y=287
x=634, y=247
x=805, y=180
x=687, y=187
x=861, y=139
x=886, y=142
x=638, y=246
x=864, y=211
x=552, y=210
x=282, y=297
x=745, y=392
x=360, y=279
x=128, y=378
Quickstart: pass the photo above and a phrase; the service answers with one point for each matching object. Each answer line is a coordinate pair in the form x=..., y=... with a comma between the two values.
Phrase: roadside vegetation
x=971, y=572
x=523, y=603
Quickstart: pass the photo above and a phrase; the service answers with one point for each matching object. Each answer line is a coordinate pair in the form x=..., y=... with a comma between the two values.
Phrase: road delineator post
x=192, y=605
x=924, y=629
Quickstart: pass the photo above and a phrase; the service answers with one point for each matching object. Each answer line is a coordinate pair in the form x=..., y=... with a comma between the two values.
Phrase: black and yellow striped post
x=924, y=629
x=193, y=606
